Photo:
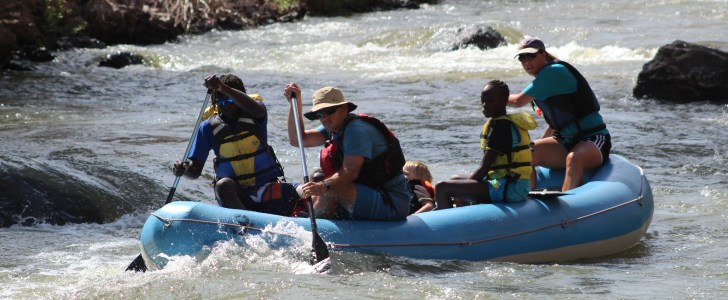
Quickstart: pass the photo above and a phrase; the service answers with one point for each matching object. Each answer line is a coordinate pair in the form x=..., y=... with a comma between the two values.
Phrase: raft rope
x=243, y=227
x=564, y=224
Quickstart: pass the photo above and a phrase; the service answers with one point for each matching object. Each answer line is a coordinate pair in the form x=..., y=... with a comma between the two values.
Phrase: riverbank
x=32, y=29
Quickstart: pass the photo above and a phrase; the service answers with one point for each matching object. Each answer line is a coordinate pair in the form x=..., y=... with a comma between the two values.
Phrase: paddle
x=546, y=194
x=319, y=251
x=138, y=264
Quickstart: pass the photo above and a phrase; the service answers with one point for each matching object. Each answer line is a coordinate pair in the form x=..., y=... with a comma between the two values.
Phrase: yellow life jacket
x=517, y=163
x=250, y=157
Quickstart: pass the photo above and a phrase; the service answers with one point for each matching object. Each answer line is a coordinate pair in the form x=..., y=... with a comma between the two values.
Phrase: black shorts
x=603, y=142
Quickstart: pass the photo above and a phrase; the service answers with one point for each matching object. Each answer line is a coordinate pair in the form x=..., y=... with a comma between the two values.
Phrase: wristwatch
x=327, y=185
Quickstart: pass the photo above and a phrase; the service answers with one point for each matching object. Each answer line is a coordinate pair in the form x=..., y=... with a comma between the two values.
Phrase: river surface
x=99, y=142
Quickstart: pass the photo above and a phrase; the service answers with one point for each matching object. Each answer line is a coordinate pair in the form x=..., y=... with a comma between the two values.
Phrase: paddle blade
x=323, y=266
x=137, y=265
x=319, y=252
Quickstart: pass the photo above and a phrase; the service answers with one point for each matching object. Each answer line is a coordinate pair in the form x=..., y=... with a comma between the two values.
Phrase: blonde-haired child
x=420, y=183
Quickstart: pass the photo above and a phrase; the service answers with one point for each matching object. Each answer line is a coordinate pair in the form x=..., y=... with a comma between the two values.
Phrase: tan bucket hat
x=327, y=97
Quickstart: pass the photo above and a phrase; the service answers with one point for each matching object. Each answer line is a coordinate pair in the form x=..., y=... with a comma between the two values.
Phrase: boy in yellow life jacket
x=504, y=172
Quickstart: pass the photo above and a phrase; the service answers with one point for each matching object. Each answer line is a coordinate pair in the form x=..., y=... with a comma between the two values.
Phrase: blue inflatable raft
x=608, y=214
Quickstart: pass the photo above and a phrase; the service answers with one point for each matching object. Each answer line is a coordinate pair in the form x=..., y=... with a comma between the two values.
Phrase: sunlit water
x=114, y=134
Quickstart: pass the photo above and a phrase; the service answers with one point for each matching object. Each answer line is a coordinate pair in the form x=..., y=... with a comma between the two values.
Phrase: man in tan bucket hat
x=361, y=160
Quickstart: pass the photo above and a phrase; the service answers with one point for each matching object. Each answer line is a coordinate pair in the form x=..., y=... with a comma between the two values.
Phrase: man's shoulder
x=358, y=123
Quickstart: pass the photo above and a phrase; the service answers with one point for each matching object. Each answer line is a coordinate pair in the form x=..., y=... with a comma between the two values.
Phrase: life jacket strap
x=511, y=166
x=251, y=175
x=240, y=157
x=520, y=148
x=238, y=137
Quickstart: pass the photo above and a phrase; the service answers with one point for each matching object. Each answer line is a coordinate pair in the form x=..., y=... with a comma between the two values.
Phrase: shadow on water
x=71, y=187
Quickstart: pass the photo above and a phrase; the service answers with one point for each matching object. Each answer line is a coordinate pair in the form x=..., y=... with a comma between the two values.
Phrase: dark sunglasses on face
x=527, y=56
x=326, y=112
x=223, y=102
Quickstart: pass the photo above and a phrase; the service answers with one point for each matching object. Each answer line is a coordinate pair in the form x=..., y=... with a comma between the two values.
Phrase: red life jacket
x=375, y=171
x=415, y=204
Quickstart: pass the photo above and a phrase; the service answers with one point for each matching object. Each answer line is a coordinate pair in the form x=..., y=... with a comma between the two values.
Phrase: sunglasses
x=325, y=112
x=223, y=102
x=527, y=56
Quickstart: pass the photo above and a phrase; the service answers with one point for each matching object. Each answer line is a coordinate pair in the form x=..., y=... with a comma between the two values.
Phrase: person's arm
x=519, y=100
x=427, y=205
x=486, y=162
x=192, y=166
x=498, y=141
x=254, y=108
x=346, y=175
x=423, y=196
x=191, y=171
x=310, y=137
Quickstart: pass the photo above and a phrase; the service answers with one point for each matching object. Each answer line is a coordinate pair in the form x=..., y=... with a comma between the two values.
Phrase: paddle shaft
x=319, y=251
x=138, y=264
x=189, y=145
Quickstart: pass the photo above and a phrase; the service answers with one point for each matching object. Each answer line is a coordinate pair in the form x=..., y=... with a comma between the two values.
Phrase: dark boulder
x=482, y=36
x=476, y=35
x=121, y=59
x=29, y=198
x=683, y=72
x=79, y=41
x=23, y=60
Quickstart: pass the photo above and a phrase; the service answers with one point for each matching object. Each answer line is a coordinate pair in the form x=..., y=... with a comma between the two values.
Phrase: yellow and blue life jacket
x=517, y=163
x=249, y=155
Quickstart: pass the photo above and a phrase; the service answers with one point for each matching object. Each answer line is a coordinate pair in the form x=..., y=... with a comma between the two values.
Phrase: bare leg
x=585, y=156
x=325, y=205
x=549, y=153
x=460, y=188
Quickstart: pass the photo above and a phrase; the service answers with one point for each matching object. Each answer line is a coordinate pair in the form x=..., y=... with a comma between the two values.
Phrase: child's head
x=494, y=98
x=415, y=169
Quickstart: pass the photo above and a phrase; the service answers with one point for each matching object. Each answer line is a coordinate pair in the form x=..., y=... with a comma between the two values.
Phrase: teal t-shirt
x=552, y=80
x=556, y=79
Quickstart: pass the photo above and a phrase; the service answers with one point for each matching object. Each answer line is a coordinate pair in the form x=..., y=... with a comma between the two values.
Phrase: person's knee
x=225, y=183
x=582, y=158
x=535, y=160
x=573, y=160
x=227, y=193
x=536, y=155
x=442, y=186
